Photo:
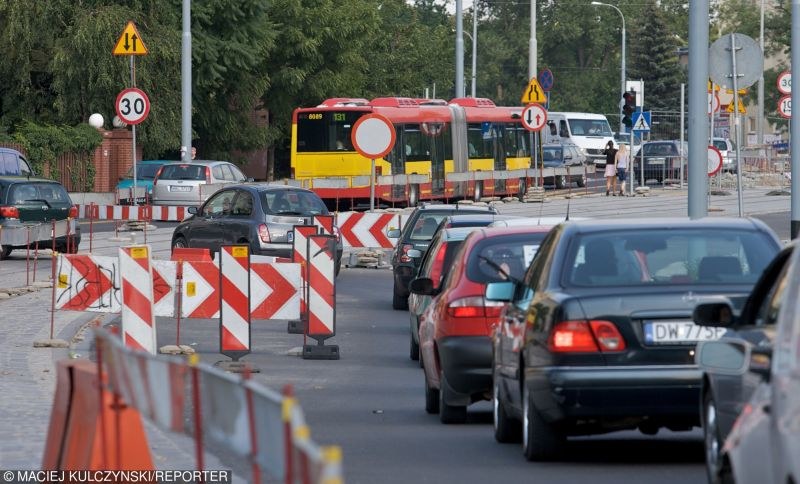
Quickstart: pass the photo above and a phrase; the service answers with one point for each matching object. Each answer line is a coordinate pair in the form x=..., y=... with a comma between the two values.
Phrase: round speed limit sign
x=132, y=105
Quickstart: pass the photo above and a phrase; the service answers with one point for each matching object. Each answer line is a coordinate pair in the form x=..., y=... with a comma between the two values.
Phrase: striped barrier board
x=321, y=297
x=133, y=213
x=275, y=291
x=325, y=224
x=363, y=229
x=234, y=296
x=300, y=256
x=138, y=316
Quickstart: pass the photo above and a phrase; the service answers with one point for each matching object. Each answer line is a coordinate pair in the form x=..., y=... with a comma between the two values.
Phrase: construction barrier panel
x=138, y=315
x=321, y=297
x=365, y=229
x=300, y=256
x=231, y=416
x=234, y=300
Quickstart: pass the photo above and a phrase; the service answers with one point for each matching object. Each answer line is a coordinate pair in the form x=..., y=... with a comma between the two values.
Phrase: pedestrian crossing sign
x=641, y=121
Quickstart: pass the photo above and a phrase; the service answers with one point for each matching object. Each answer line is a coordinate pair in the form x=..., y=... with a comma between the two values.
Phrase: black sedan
x=260, y=215
x=598, y=336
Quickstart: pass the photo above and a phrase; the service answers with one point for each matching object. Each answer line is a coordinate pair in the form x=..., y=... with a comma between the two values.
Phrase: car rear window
x=147, y=171
x=660, y=149
x=292, y=202
x=183, y=172
x=668, y=257
x=513, y=253
x=426, y=225
x=52, y=193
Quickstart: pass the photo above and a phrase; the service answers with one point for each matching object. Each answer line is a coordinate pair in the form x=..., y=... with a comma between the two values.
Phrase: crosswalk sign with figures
x=641, y=121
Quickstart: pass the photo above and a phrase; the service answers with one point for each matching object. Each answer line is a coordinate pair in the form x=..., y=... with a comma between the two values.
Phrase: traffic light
x=628, y=106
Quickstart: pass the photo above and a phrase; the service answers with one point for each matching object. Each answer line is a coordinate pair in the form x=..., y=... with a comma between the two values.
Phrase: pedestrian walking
x=621, y=160
x=611, y=168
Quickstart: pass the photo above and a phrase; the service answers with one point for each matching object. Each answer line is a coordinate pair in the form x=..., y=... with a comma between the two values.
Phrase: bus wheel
x=523, y=188
x=478, y=193
x=413, y=195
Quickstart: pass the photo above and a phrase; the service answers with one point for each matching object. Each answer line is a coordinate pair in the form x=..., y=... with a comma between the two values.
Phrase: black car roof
x=12, y=179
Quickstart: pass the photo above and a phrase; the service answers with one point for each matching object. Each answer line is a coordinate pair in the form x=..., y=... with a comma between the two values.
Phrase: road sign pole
x=133, y=130
x=736, y=130
x=372, y=186
x=794, y=128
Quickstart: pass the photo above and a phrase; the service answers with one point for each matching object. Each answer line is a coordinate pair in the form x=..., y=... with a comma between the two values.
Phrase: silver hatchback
x=192, y=183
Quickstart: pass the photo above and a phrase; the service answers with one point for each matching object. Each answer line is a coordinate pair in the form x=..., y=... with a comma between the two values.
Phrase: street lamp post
x=474, y=60
x=622, y=68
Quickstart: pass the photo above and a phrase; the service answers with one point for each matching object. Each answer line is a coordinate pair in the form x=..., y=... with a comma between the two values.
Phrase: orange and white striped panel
x=138, y=316
x=234, y=314
x=300, y=256
x=321, y=288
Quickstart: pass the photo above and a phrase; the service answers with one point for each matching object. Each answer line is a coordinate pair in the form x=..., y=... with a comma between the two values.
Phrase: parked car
x=626, y=138
x=662, y=161
x=145, y=174
x=417, y=234
x=260, y=215
x=454, y=336
x=434, y=266
x=13, y=163
x=180, y=183
x=728, y=388
x=599, y=336
x=35, y=201
x=569, y=157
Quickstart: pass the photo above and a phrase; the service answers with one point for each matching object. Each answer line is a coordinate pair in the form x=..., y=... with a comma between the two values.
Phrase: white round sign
x=714, y=160
x=785, y=82
x=373, y=136
x=132, y=105
x=785, y=106
x=534, y=117
x=713, y=103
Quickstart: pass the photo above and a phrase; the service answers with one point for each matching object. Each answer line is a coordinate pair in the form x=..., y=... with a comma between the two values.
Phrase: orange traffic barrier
x=84, y=435
x=189, y=254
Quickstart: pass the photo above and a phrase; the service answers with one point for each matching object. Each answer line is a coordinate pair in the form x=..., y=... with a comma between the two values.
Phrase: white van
x=589, y=131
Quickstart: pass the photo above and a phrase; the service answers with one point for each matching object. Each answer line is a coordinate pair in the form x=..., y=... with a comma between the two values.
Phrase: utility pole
x=186, y=83
x=459, y=49
x=698, y=101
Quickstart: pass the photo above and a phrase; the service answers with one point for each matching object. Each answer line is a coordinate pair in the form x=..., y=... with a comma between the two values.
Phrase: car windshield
x=144, y=172
x=660, y=149
x=51, y=193
x=512, y=253
x=589, y=127
x=552, y=155
x=668, y=257
x=292, y=202
x=183, y=172
x=426, y=225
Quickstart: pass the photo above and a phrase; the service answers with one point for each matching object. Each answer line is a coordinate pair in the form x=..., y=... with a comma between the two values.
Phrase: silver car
x=192, y=183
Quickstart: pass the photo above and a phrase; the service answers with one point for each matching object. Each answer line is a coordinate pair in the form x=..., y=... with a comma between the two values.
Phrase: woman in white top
x=621, y=162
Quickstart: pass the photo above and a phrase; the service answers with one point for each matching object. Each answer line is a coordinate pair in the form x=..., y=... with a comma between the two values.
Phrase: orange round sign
x=373, y=136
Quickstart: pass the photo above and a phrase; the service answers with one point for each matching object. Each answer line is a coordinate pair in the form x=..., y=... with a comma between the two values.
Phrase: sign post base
x=320, y=352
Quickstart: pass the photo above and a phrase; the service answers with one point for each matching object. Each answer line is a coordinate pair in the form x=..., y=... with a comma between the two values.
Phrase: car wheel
x=398, y=302
x=581, y=181
x=477, y=194
x=540, y=441
x=711, y=439
x=561, y=181
x=413, y=352
x=506, y=429
x=179, y=243
x=431, y=398
x=5, y=250
x=523, y=188
x=413, y=195
x=449, y=414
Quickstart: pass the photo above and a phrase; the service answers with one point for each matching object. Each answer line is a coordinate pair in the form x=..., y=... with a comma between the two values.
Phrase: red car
x=455, y=334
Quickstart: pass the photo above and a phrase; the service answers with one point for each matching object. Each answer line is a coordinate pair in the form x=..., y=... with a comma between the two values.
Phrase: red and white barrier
x=300, y=256
x=87, y=283
x=200, y=291
x=325, y=224
x=321, y=297
x=275, y=291
x=165, y=274
x=138, y=316
x=363, y=229
x=234, y=315
x=133, y=212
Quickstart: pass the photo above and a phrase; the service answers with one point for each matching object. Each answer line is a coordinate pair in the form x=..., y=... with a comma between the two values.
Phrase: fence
x=96, y=419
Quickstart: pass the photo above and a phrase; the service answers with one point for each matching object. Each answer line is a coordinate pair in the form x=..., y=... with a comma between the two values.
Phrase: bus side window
x=563, y=128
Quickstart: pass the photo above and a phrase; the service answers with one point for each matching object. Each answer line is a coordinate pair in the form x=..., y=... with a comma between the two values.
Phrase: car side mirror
x=500, y=291
x=251, y=179
x=723, y=357
x=414, y=253
x=192, y=210
x=393, y=233
x=423, y=286
x=715, y=314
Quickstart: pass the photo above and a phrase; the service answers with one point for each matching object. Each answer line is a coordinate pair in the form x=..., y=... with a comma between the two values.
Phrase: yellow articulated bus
x=441, y=148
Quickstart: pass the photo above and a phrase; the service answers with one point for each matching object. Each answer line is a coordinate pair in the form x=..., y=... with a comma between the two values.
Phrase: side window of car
x=237, y=174
x=9, y=165
x=218, y=173
x=24, y=167
x=243, y=205
x=219, y=204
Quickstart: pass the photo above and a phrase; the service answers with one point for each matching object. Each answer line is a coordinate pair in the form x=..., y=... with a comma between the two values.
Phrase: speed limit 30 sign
x=132, y=105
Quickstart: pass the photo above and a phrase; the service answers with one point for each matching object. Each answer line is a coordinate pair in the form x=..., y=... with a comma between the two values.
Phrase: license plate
x=179, y=188
x=671, y=332
x=656, y=161
x=290, y=236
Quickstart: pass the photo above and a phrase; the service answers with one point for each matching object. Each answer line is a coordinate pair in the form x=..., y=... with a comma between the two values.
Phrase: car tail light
x=73, y=212
x=404, y=253
x=263, y=233
x=9, y=212
x=158, y=174
x=474, y=307
x=208, y=175
x=585, y=337
x=438, y=264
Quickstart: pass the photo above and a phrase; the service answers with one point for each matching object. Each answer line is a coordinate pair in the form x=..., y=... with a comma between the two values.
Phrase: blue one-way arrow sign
x=641, y=121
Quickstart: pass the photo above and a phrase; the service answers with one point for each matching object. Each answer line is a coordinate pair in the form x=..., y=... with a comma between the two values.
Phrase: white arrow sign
x=534, y=117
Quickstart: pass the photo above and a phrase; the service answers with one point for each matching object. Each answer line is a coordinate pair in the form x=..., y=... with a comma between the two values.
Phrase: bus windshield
x=325, y=131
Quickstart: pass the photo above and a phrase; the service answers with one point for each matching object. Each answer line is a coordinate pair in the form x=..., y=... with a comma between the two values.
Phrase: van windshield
x=590, y=127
